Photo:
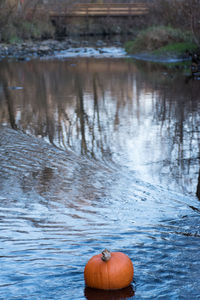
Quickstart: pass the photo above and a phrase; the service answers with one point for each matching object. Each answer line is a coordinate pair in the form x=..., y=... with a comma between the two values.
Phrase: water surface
x=98, y=153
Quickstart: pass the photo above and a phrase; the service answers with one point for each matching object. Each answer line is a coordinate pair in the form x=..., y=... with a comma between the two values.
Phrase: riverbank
x=46, y=48
x=162, y=43
x=94, y=46
x=78, y=48
x=26, y=50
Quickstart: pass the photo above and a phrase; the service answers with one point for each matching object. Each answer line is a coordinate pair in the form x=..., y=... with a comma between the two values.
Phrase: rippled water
x=98, y=52
x=94, y=154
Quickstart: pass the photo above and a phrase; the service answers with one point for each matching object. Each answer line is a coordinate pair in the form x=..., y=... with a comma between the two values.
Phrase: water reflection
x=94, y=294
x=140, y=115
x=57, y=208
x=9, y=102
x=198, y=187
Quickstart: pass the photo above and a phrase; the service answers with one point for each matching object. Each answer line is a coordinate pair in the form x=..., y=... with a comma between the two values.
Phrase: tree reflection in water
x=137, y=114
x=198, y=187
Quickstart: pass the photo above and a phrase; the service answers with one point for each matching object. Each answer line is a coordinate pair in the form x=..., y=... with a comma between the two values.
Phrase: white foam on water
x=113, y=52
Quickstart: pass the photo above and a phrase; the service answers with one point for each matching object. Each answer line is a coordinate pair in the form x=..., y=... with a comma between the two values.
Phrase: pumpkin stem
x=106, y=255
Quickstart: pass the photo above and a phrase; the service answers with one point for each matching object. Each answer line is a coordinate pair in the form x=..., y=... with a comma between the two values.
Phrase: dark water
x=94, y=154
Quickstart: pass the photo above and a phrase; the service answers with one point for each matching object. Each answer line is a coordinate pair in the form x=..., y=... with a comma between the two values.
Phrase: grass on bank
x=161, y=41
x=177, y=49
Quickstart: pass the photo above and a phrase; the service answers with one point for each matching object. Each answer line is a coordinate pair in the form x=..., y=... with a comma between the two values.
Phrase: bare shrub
x=21, y=20
x=182, y=14
x=191, y=13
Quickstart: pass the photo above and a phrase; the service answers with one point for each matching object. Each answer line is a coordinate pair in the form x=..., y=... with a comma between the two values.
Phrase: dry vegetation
x=173, y=27
x=161, y=39
x=17, y=23
x=182, y=14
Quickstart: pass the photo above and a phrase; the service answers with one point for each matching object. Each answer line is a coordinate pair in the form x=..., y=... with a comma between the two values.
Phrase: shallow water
x=98, y=153
x=98, y=52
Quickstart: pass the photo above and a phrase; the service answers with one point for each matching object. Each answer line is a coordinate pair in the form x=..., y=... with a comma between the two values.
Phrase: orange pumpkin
x=109, y=271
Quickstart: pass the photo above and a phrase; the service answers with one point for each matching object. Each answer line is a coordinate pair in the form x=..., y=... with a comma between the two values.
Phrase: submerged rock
x=44, y=49
x=23, y=50
x=26, y=50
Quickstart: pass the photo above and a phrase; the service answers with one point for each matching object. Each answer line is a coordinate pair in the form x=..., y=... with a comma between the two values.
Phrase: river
x=98, y=152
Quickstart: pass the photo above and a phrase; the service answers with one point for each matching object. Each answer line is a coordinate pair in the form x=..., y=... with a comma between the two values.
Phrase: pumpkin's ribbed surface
x=116, y=273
